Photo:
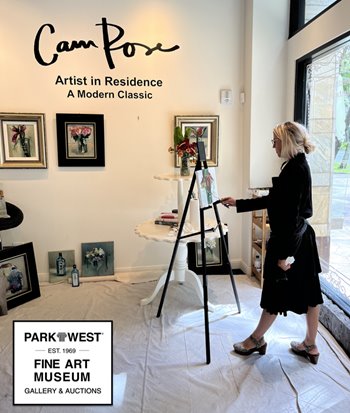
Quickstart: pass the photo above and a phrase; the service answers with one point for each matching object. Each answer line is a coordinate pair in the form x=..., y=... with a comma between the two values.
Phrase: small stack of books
x=167, y=218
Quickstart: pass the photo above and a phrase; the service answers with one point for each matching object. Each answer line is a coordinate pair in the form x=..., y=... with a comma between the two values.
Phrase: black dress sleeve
x=253, y=204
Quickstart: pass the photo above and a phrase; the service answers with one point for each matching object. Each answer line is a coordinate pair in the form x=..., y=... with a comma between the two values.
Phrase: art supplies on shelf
x=258, y=192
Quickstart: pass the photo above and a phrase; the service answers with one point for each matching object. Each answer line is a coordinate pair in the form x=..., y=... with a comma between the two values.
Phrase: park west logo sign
x=62, y=362
x=112, y=43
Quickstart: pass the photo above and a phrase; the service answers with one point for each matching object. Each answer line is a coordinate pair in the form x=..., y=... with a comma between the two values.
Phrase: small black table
x=16, y=218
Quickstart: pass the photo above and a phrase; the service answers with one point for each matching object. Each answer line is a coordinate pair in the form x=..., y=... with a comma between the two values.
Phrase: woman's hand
x=283, y=264
x=228, y=201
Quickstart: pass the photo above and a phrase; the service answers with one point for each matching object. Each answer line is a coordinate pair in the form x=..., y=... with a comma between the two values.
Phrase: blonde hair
x=294, y=138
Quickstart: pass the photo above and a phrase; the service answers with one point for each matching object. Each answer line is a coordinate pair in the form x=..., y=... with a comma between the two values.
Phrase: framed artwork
x=22, y=140
x=60, y=265
x=203, y=129
x=17, y=265
x=97, y=258
x=207, y=187
x=215, y=262
x=80, y=139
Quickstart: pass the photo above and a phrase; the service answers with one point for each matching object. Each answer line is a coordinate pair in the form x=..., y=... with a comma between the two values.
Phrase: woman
x=288, y=286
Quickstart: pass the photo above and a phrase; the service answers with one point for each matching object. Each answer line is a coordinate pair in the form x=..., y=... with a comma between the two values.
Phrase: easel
x=200, y=161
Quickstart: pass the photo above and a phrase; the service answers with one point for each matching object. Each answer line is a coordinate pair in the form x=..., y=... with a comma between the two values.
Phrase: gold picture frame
x=209, y=135
x=22, y=140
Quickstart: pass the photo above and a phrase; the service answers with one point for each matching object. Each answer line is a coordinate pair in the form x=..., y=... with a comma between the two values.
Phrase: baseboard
x=139, y=274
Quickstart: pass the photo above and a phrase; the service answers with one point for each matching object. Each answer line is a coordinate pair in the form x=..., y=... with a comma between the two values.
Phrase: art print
x=97, y=258
x=22, y=138
x=80, y=139
x=202, y=129
x=17, y=265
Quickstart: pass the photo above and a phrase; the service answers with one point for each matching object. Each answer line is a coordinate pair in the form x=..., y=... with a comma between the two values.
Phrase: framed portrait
x=80, y=139
x=18, y=266
x=22, y=140
x=203, y=129
x=97, y=258
x=215, y=260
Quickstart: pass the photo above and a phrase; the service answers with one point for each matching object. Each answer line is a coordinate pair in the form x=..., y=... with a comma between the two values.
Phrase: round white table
x=180, y=272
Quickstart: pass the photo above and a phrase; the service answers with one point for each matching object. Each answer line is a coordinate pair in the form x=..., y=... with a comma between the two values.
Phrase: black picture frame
x=216, y=265
x=23, y=279
x=80, y=139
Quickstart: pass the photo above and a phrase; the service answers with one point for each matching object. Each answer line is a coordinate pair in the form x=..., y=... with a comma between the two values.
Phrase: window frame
x=300, y=116
x=300, y=75
x=297, y=15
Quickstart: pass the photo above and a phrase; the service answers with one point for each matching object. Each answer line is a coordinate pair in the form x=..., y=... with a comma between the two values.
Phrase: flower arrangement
x=80, y=134
x=19, y=136
x=182, y=143
x=185, y=146
x=95, y=256
x=210, y=245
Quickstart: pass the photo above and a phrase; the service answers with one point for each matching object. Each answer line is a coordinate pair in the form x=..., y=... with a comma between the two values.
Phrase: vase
x=185, y=166
x=82, y=145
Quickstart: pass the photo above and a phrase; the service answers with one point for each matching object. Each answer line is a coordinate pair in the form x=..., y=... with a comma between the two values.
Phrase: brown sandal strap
x=257, y=343
x=308, y=348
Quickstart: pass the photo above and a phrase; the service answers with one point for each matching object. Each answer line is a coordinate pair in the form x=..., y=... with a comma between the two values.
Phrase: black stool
x=16, y=218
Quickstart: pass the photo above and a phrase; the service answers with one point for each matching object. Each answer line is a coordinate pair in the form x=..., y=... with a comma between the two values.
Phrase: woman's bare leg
x=312, y=316
x=265, y=322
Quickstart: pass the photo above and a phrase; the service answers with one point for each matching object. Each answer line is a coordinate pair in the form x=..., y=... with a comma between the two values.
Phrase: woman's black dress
x=289, y=205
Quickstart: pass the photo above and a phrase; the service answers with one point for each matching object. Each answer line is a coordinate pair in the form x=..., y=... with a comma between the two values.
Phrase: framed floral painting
x=202, y=128
x=216, y=262
x=22, y=140
x=80, y=139
x=97, y=258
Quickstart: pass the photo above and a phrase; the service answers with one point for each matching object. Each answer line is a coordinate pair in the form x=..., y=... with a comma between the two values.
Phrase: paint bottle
x=257, y=262
x=75, y=276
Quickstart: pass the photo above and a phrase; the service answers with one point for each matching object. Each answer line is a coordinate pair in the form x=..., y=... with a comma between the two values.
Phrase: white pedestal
x=180, y=188
x=180, y=272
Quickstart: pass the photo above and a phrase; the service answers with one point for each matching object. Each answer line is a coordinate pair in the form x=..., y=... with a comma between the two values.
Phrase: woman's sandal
x=305, y=352
x=260, y=347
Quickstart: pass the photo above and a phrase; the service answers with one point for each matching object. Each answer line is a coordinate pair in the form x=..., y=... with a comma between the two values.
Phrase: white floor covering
x=160, y=364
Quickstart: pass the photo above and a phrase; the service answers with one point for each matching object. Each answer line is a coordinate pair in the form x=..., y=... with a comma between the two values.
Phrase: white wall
x=268, y=83
x=266, y=33
x=64, y=207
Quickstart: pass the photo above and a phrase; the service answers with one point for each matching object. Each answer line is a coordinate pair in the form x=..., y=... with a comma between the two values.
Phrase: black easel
x=200, y=161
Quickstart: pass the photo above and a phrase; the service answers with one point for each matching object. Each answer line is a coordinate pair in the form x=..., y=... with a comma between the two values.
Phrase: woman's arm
x=245, y=205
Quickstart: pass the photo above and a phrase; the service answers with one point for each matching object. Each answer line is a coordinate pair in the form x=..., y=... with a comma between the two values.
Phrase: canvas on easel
x=207, y=187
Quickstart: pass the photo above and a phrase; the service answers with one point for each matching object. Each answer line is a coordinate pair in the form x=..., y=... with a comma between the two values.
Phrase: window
x=323, y=104
x=303, y=12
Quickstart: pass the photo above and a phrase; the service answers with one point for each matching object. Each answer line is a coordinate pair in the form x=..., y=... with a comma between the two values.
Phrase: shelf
x=257, y=248
x=257, y=273
x=258, y=221
x=260, y=231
